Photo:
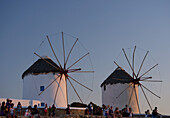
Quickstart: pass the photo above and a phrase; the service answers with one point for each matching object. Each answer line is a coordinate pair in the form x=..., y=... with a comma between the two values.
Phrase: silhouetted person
x=155, y=113
x=35, y=111
x=87, y=111
x=68, y=109
x=53, y=110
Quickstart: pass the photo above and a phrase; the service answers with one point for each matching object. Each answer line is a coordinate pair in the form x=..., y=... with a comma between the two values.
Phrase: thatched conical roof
x=118, y=76
x=41, y=66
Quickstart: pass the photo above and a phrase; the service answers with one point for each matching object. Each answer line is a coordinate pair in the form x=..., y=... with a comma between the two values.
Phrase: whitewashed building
x=114, y=85
x=41, y=75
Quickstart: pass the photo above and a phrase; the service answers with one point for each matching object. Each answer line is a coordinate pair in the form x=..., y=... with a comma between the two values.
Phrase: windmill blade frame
x=65, y=70
x=138, y=79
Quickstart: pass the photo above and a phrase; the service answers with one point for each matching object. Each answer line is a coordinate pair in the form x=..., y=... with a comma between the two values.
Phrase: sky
x=103, y=26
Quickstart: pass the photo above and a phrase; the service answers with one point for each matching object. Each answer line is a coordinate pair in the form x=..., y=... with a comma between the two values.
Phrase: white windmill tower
x=36, y=79
x=117, y=82
x=121, y=88
x=45, y=80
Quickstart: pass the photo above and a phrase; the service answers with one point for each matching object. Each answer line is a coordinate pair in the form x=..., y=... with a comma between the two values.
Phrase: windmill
x=65, y=70
x=138, y=78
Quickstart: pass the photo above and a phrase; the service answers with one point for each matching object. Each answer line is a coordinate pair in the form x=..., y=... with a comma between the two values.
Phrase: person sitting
x=28, y=111
x=117, y=113
x=147, y=114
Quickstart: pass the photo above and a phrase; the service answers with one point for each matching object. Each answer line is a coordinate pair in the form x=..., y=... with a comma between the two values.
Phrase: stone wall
x=59, y=111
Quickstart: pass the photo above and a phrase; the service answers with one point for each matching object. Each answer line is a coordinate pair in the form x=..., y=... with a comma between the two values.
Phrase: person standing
x=49, y=111
x=91, y=108
x=35, y=111
x=68, y=109
x=130, y=112
x=155, y=113
x=53, y=110
x=104, y=109
x=3, y=109
x=45, y=110
x=19, y=107
x=12, y=111
x=111, y=114
x=126, y=111
x=0, y=107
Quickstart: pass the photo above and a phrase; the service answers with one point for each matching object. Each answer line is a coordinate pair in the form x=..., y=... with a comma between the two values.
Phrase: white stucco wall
x=31, y=89
x=24, y=103
x=112, y=91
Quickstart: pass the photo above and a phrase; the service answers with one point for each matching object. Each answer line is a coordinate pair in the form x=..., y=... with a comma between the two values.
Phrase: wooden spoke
x=137, y=99
x=142, y=63
x=48, y=62
x=133, y=60
x=66, y=89
x=152, y=80
x=73, y=70
x=63, y=50
x=57, y=89
x=129, y=62
x=54, y=52
x=78, y=60
x=74, y=90
x=130, y=97
x=80, y=83
x=146, y=98
x=124, y=91
x=150, y=91
x=71, y=51
x=148, y=70
x=49, y=85
x=145, y=78
x=119, y=66
x=84, y=71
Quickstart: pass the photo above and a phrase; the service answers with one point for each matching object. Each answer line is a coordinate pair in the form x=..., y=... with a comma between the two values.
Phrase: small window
x=42, y=104
x=41, y=88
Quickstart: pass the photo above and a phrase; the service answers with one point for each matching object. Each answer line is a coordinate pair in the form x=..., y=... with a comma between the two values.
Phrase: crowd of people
x=7, y=109
x=35, y=112
x=154, y=114
x=109, y=112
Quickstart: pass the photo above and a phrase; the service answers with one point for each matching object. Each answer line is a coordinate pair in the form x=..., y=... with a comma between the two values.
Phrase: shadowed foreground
x=74, y=113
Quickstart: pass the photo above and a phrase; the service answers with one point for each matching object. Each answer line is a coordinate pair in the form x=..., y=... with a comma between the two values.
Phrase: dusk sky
x=104, y=27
